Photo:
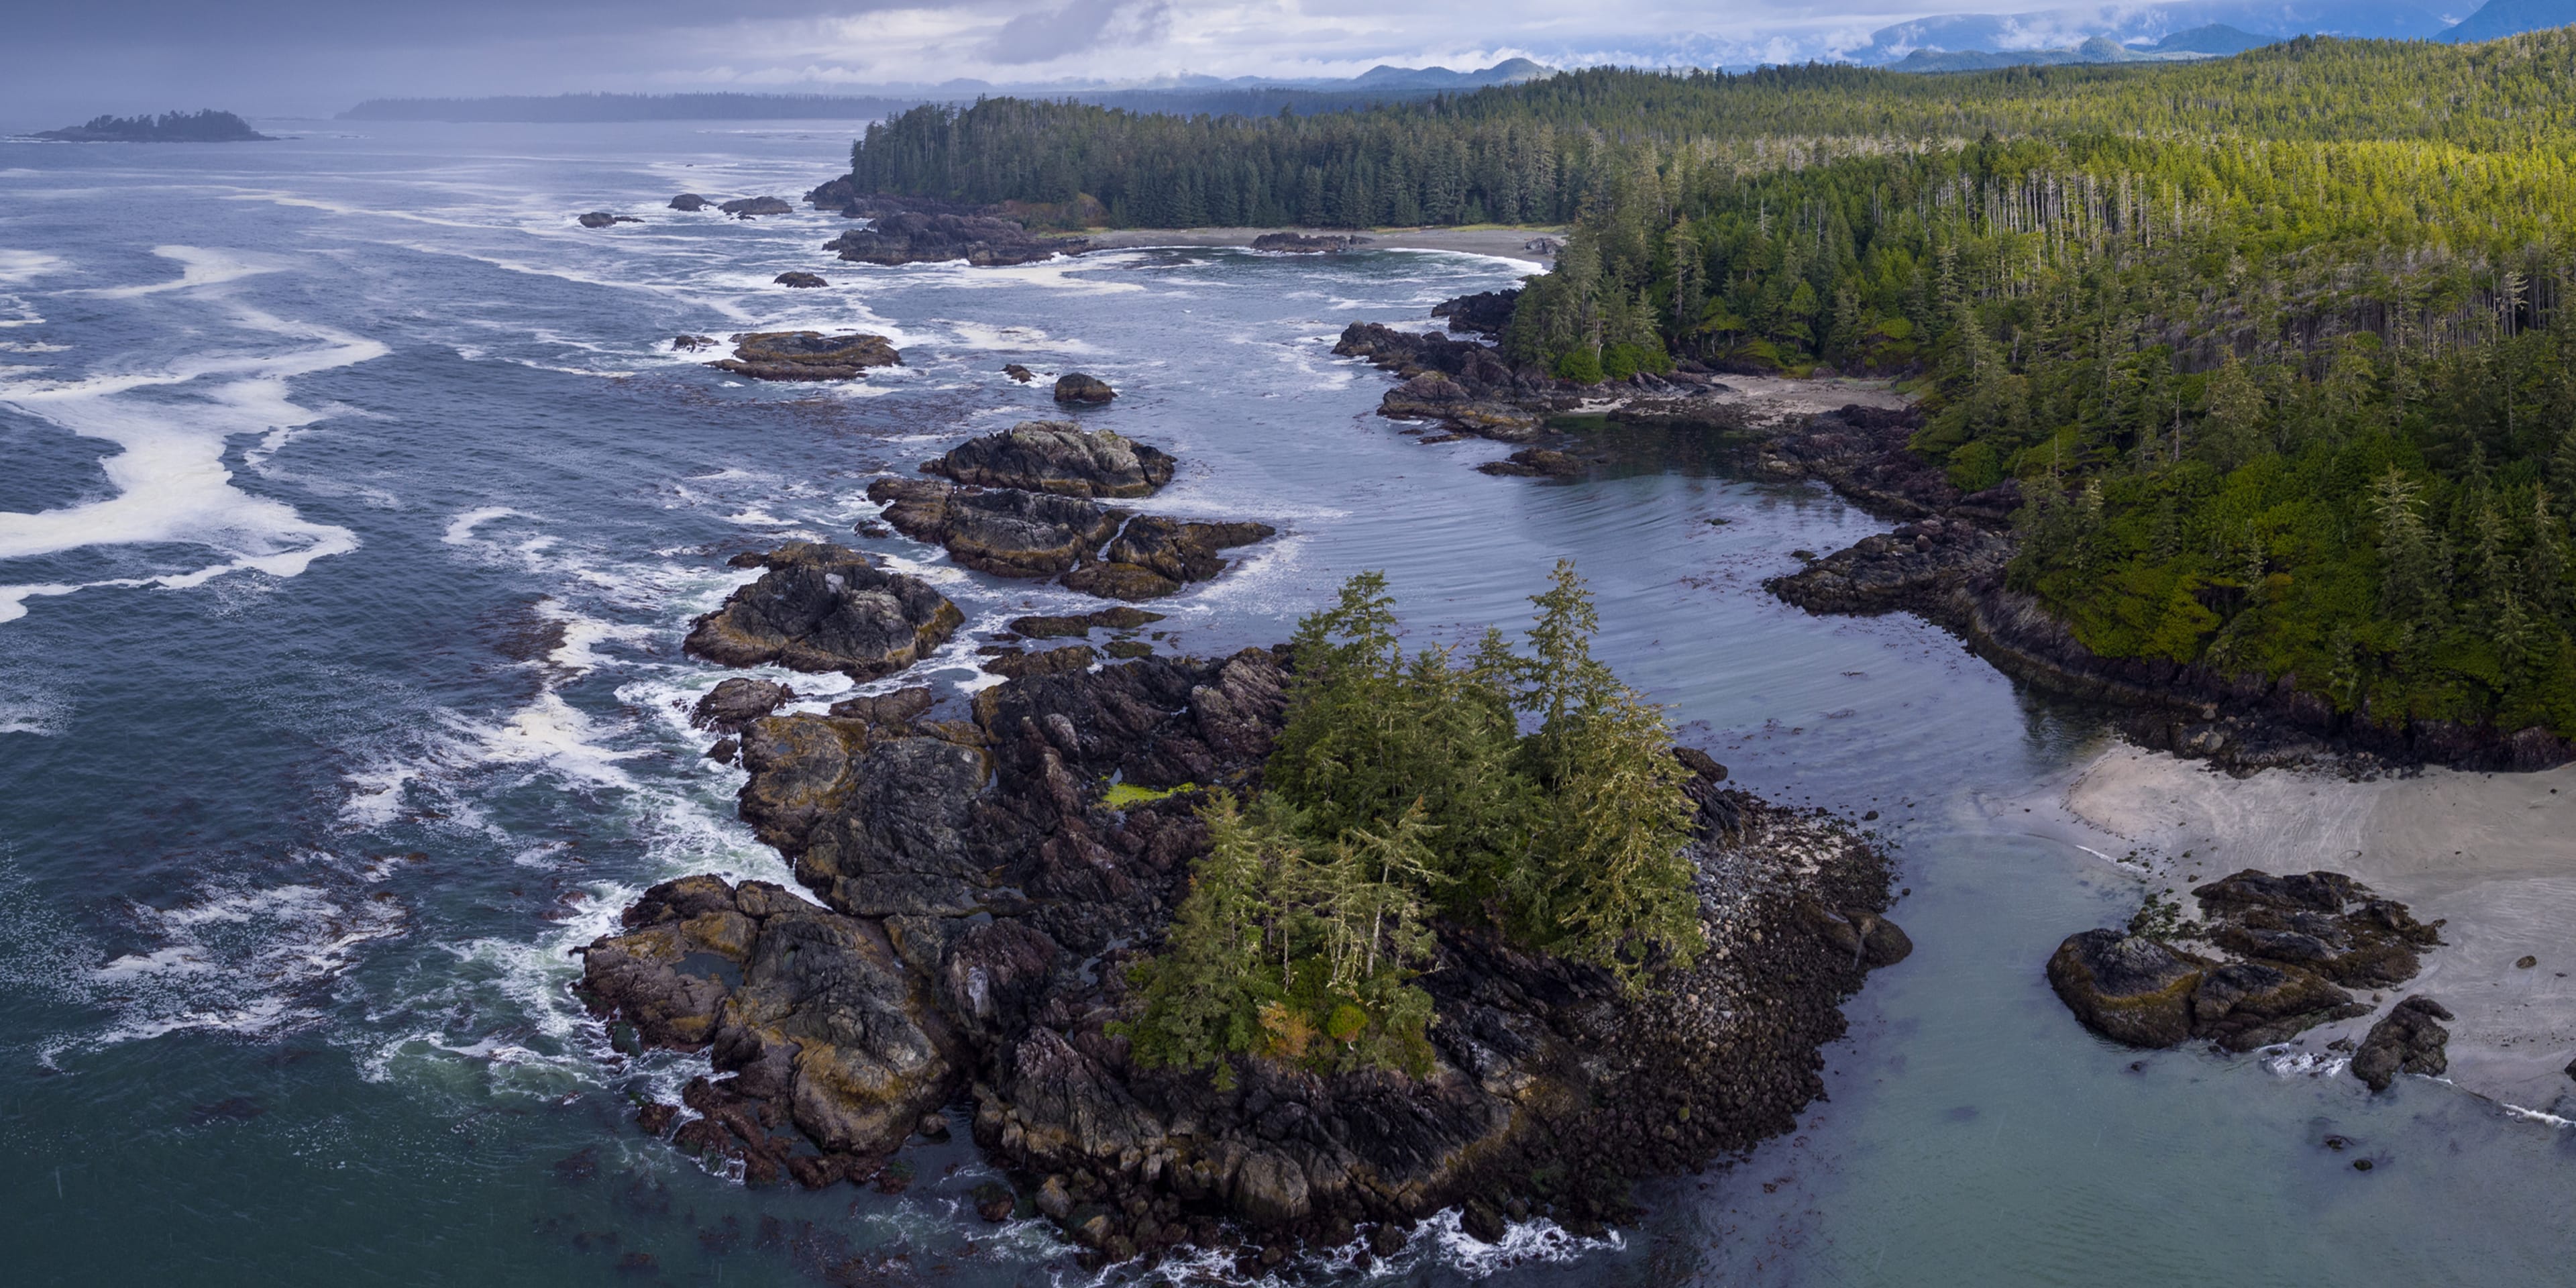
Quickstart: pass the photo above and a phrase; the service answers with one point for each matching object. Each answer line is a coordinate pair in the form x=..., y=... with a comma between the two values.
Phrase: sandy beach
x=2491, y=855
x=1510, y=243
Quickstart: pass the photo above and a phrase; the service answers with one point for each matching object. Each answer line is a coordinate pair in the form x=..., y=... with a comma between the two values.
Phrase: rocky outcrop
x=812, y=1014
x=2128, y=988
x=2410, y=1040
x=1019, y=373
x=734, y=703
x=1153, y=557
x=1095, y=549
x=1121, y=618
x=693, y=343
x=1534, y=462
x=1003, y=531
x=602, y=219
x=825, y=608
x=909, y=237
x=832, y=195
x=753, y=207
x=689, y=201
x=1075, y=389
x=1462, y=384
x=1057, y=456
x=808, y=355
x=2272, y=956
x=1308, y=243
x=800, y=281
x=1918, y=567
x=1485, y=313
x=1008, y=899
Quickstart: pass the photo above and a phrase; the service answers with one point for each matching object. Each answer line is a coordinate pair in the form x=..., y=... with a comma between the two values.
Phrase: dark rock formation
x=736, y=702
x=832, y=195
x=985, y=905
x=908, y=237
x=801, y=281
x=1077, y=389
x=689, y=201
x=1121, y=618
x=1057, y=456
x=1308, y=243
x=820, y=1023
x=808, y=355
x=693, y=343
x=1484, y=313
x=1534, y=462
x=2126, y=987
x=894, y=710
x=742, y=207
x=2408, y=1041
x=1153, y=557
x=1917, y=567
x=1003, y=531
x=602, y=219
x=825, y=608
x=1459, y=383
x=2280, y=946
x=1019, y=373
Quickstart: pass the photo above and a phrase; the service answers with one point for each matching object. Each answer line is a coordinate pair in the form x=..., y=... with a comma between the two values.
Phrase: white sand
x=2492, y=855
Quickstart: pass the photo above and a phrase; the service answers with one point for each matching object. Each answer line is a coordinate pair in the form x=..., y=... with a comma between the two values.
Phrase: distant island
x=208, y=126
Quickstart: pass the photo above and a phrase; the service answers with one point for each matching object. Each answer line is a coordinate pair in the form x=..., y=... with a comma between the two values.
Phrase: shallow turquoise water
x=353, y=699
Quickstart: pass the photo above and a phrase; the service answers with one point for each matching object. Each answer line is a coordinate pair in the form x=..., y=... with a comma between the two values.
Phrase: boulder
x=1019, y=373
x=922, y=237
x=808, y=355
x=1057, y=456
x=1154, y=557
x=689, y=201
x=1534, y=462
x=823, y=607
x=891, y=710
x=800, y=281
x=2246, y=1005
x=1075, y=389
x=2323, y=922
x=734, y=703
x=602, y=219
x=1484, y=313
x=693, y=343
x=2127, y=988
x=1002, y=531
x=754, y=206
x=2407, y=1040
x=1121, y=618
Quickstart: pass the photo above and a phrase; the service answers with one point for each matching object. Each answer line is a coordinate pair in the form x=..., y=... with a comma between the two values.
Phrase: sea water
x=353, y=505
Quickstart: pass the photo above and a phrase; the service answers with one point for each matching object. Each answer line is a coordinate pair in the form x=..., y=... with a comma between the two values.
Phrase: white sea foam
x=2283, y=1062
x=171, y=484
x=198, y=266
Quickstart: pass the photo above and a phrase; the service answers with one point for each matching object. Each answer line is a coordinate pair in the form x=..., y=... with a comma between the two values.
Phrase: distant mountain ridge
x=1243, y=95
x=2142, y=27
x=2501, y=18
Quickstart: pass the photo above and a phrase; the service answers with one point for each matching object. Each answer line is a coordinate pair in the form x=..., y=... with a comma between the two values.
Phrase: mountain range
x=2108, y=33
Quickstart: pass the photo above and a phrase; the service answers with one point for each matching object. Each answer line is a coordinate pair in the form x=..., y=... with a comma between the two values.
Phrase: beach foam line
x=198, y=266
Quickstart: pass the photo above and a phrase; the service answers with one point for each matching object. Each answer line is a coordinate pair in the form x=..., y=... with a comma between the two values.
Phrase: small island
x=208, y=126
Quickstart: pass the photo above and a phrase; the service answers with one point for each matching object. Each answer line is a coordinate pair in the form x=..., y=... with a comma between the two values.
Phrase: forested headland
x=2278, y=347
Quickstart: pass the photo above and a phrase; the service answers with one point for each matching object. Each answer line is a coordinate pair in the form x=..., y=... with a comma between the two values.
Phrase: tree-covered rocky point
x=2277, y=348
x=1402, y=789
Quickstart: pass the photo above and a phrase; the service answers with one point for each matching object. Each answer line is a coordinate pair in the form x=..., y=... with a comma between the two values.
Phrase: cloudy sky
x=281, y=56
x=315, y=57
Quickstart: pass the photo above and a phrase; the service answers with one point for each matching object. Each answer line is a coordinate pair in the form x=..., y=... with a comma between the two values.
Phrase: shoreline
x=1502, y=243
x=2485, y=853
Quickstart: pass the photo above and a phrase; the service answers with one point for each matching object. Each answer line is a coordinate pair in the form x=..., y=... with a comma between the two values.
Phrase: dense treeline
x=1550, y=150
x=1402, y=790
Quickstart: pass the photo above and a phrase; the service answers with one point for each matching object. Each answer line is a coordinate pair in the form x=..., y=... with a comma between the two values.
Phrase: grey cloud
x=1049, y=34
